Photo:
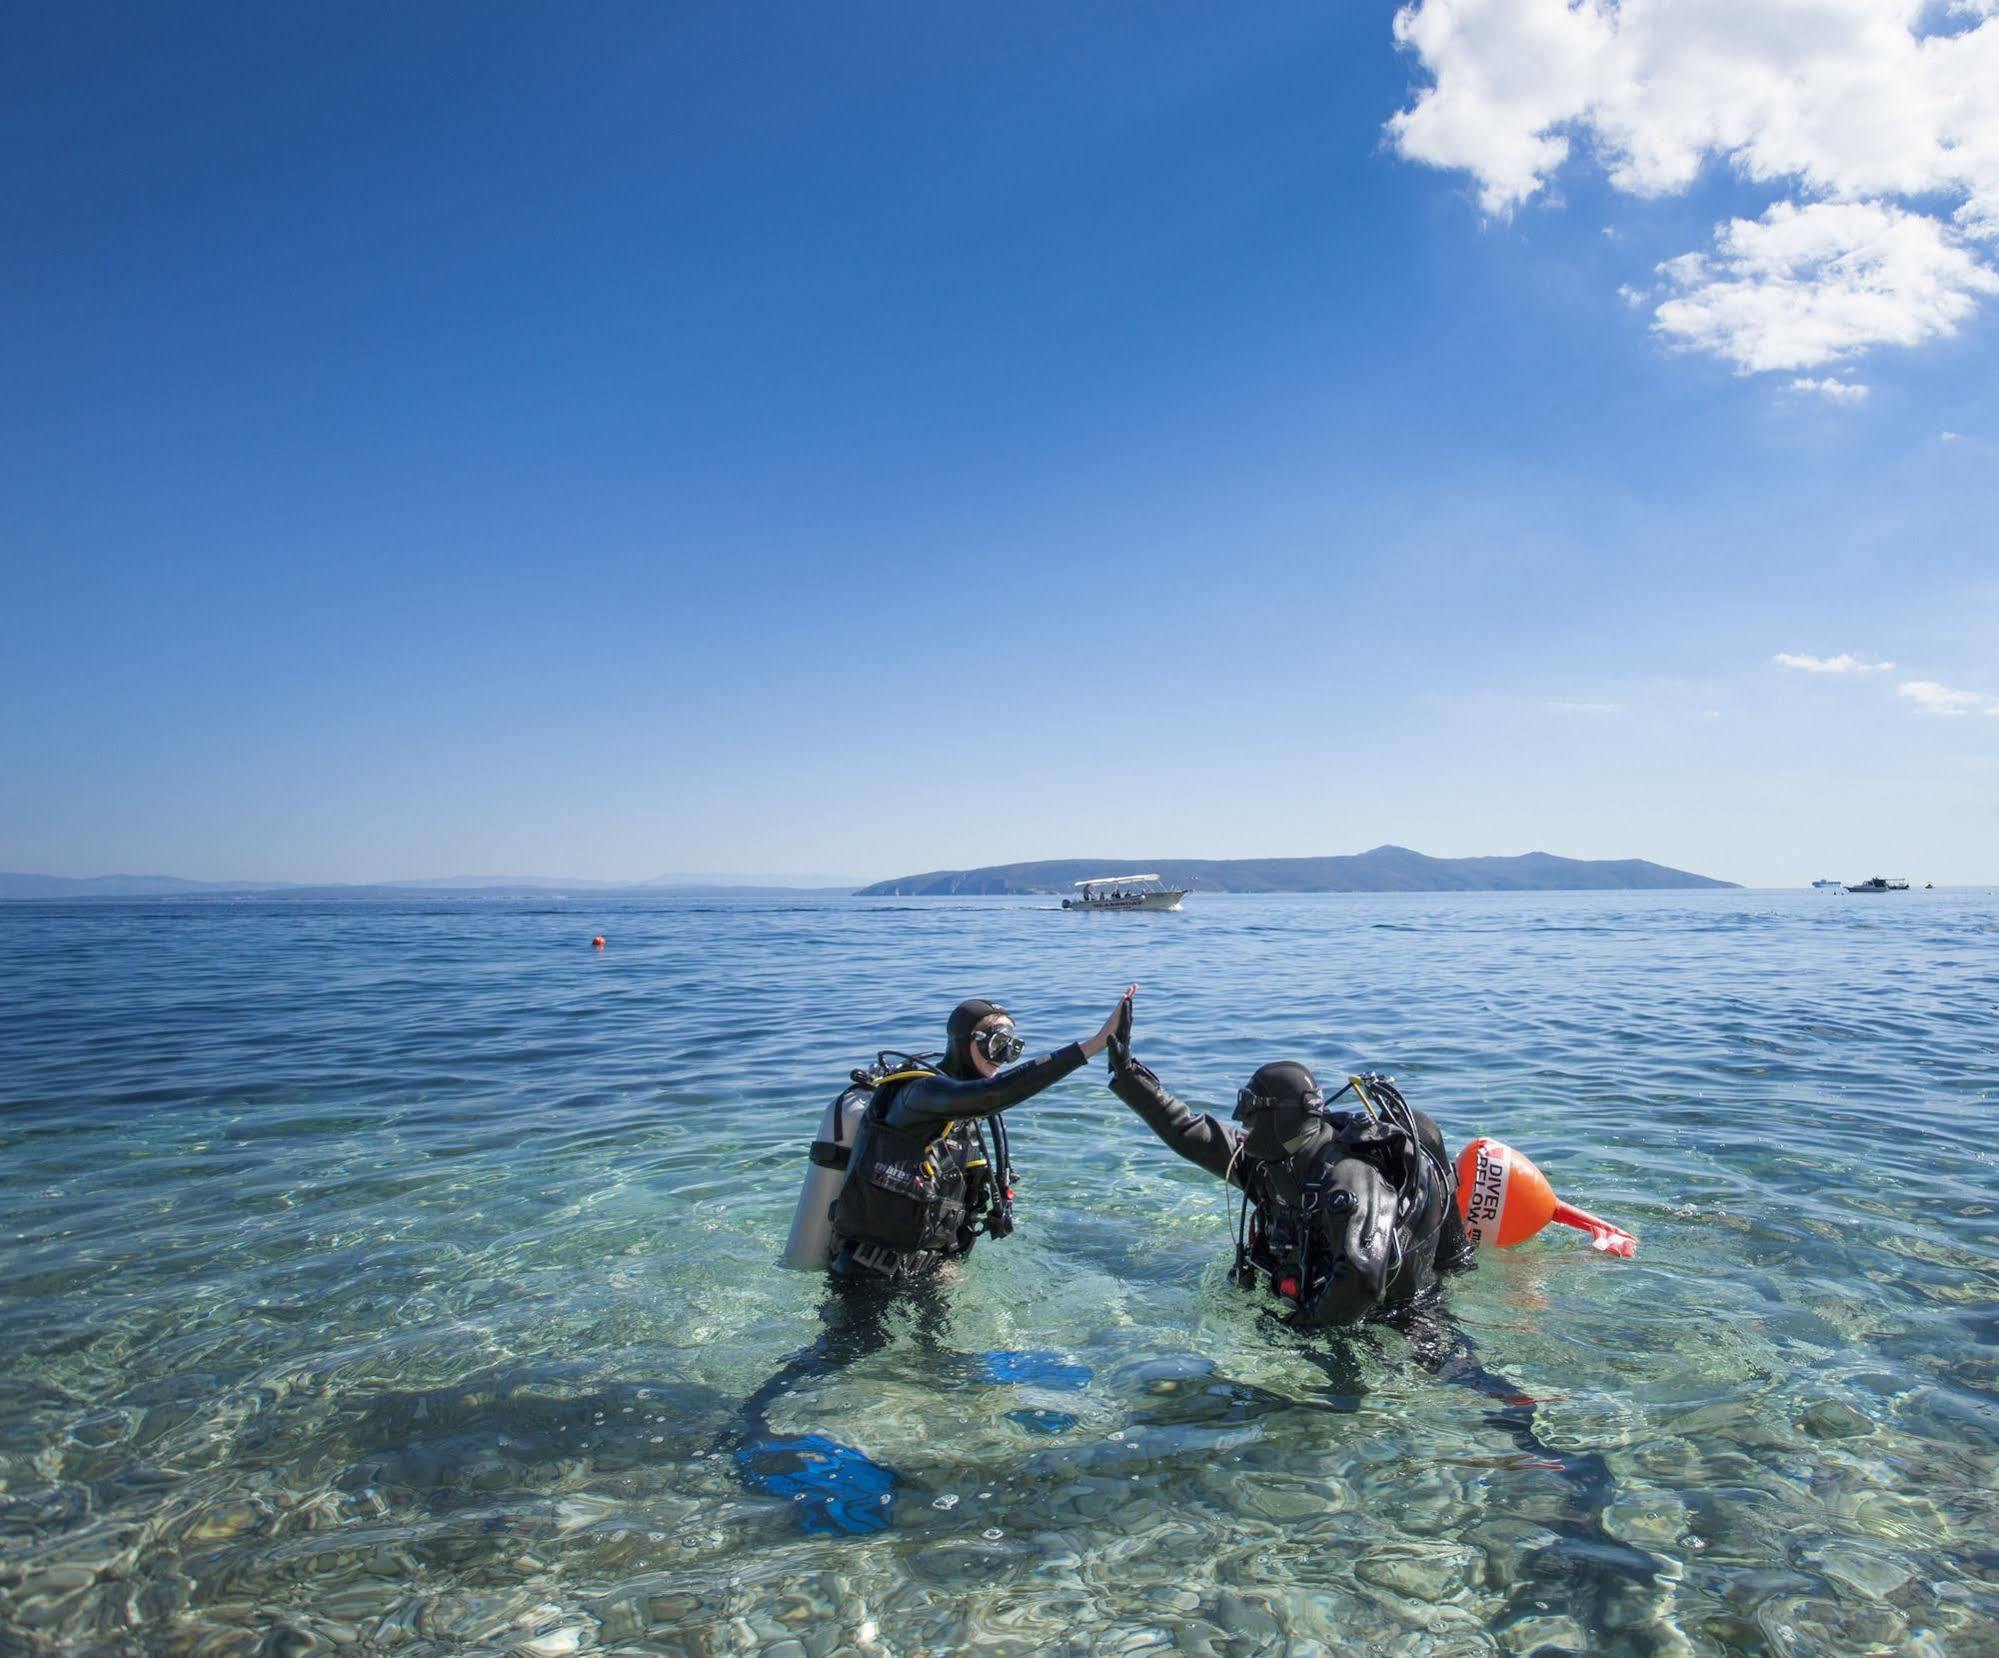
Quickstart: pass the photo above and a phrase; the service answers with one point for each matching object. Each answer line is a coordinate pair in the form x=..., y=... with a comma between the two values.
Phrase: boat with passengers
x=1124, y=892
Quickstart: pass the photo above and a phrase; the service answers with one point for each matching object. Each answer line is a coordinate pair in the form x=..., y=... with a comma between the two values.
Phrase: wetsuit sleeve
x=941, y=1098
x=1200, y=1139
x=1454, y=1250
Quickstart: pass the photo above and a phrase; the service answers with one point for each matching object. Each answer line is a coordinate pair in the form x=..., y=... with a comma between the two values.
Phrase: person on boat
x=925, y=1181
x=1345, y=1213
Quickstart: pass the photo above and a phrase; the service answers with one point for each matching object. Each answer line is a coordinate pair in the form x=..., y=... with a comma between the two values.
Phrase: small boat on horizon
x=1880, y=883
x=1124, y=892
x=1826, y=886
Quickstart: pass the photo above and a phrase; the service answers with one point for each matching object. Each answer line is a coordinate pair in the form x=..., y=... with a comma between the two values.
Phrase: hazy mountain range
x=1385, y=869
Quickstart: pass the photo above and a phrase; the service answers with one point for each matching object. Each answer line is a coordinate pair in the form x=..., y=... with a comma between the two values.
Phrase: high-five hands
x=1120, y=1018
x=1116, y=1034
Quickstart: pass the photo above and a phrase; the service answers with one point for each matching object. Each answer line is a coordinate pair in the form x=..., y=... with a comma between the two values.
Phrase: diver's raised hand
x=1116, y=1034
x=1120, y=1042
x=1095, y=1045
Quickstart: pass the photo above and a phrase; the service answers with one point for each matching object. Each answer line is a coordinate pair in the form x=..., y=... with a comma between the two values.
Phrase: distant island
x=1385, y=869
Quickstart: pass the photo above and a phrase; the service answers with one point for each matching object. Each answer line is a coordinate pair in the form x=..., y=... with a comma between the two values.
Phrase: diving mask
x=1248, y=1102
x=1001, y=1044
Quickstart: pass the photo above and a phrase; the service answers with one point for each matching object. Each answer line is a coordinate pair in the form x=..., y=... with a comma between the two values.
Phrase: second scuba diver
x=1350, y=1215
x=927, y=1173
x=1344, y=1213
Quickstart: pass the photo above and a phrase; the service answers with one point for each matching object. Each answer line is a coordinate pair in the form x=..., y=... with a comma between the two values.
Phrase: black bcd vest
x=913, y=1190
x=1294, y=1230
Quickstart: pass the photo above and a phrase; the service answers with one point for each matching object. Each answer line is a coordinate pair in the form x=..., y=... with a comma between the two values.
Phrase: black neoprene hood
x=1283, y=1080
x=966, y=1018
x=1288, y=1086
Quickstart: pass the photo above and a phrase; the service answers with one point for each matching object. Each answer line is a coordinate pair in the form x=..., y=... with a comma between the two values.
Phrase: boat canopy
x=1112, y=880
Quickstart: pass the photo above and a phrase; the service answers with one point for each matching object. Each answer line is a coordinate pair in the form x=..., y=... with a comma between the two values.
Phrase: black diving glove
x=1117, y=1050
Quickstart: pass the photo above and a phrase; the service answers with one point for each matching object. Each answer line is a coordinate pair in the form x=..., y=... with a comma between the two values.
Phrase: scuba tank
x=810, y=1245
x=811, y=1240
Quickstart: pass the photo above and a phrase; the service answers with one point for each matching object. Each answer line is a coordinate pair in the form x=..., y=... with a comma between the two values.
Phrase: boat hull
x=1144, y=901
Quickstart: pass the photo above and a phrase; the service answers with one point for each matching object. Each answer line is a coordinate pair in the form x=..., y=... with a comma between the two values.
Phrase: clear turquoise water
x=386, y=1277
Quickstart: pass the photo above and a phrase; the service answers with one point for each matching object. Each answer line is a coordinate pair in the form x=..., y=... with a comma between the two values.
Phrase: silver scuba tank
x=810, y=1245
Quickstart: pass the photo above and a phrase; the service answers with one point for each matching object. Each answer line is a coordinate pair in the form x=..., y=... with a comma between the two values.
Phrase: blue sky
x=864, y=439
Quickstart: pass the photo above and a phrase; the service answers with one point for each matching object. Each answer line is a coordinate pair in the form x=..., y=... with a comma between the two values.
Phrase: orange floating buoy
x=597, y=943
x=1505, y=1200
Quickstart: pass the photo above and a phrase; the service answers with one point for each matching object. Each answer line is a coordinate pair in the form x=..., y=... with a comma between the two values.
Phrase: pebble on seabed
x=1427, y=1572
x=219, y=1524
x=1834, y=1419
x=557, y=1643
x=1558, y=1633
x=1875, y=1575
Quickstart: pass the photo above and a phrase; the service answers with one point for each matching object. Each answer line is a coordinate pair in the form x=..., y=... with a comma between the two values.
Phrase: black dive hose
x=999, y=1213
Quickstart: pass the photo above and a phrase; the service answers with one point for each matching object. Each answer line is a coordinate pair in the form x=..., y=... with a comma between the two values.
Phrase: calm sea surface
x=388, y=1276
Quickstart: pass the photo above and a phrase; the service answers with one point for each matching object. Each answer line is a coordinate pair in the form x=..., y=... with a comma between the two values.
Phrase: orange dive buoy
x=597, y=943
x=1505, y=1200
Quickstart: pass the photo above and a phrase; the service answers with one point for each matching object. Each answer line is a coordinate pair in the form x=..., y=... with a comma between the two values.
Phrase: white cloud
x=1833, y=391
x=1880, y=130
x=1844, y=663
x=1932, y=698
x=1566, y=705
x=1808, y=285
x=1948, y=437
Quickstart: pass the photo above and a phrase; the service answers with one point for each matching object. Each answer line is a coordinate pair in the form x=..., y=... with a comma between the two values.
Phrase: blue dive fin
x=1037, y=1367
x=832, y=1487
x=1042, y=1421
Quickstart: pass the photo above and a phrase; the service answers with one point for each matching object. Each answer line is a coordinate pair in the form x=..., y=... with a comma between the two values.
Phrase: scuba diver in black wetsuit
x=1345, y=1214
x=925, y=1178
x=928, y=1173
x=1350, y=1216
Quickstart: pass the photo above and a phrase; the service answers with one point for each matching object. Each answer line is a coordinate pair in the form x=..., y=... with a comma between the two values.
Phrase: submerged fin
x=1042, y=1421
x=833, y=1488
x=1037, y=1367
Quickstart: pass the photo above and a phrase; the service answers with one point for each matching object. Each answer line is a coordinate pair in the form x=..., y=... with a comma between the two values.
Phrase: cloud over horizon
x=1876, y=121
x=1928, y=696
x=1844, y=663
x=1833, y=391
x=1932, y=698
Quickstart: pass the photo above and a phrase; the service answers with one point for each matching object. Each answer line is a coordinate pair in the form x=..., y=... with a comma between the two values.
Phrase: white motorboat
x=1124, y=892
x=1880, y=883
x=1825, y=886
